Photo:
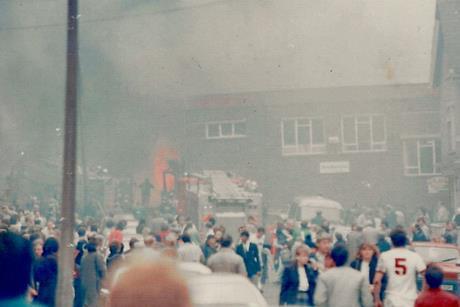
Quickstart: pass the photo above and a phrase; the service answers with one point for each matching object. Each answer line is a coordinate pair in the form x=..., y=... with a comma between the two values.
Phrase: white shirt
x=365, y=269
x=303, y=280
x=246, y=246
x=189, y=252
x=401, y=266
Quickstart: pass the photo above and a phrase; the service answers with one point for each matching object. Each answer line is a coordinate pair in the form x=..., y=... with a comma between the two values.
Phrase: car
x=447, y=257
x=224, y=290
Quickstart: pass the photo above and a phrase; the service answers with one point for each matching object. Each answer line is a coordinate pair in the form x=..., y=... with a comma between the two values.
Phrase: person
x=306, y=234
x=401, y=267
x=434, y=295
x=92, y=271
x=318, y=220
x=342, y=285
x=382, y=244
x=115, y=254
x=155, y=284
x=209, y=247
x=226, y=260
x=370, y=233
x=16, y=266
x=419, y=235
x=80, y=252
x=263, y=247
x=250, y=254
x=323, y=243
x=116, y=234
x=366, y=263
x=189, y=252
x=133, y=242
x=339, y=239
x=450, y=234
x=354, y=239
x=298, y=281
x=146, y=187
x=46, y=273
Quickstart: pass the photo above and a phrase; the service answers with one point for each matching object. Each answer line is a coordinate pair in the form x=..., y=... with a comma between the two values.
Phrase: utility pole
x=64, y=293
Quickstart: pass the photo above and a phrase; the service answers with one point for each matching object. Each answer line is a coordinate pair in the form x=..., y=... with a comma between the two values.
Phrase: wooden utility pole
x=64, y=292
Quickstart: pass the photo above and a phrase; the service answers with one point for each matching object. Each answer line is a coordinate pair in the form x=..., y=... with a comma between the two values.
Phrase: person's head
x=319, y=213
x=15, y=263
x=149, y=241
x=323, y=244
x=302, y=253
x=260, y=232
x=338, y=236
x=226, y=241
x=109, y=224
x=114, y=247
x=211, y=241
x=93, y=228
x=120, y=225
x=244, y=236
x=339, y=255
x=450, y=226
x=51, y=247
x=186, y=238
x=81, y=232
x=38, y=248
x=304, y=224
x=434, y=276
x=150, y=285
x=132, y=243
x=367, y=251
x=398, y=237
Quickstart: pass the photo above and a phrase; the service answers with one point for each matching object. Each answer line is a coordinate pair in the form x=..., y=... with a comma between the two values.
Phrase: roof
x=317, y=202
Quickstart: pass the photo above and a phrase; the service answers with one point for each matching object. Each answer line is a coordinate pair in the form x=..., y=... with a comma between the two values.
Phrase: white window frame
x=298, y=149
x=418, y=167
x=233, y=135
x=374, y=144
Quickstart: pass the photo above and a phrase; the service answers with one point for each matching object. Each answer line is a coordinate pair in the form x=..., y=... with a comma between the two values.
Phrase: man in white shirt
x=401, y=267
x=189, y=252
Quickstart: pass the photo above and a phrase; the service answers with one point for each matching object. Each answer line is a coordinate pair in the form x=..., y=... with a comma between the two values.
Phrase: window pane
x=213, y=130
x=364, y=137
x=349, y=131
x=378, y=129
x=240, y=128
x=426, y=160
x=318, y=134
x=303, y=134
x=226, y=129
x=289, y=132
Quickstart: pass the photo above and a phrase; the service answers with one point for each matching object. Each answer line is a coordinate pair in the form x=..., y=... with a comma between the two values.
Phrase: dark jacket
x=356, y=264
x=208, y=251
x=45, y=276
x=290, y=285
x=251, y=258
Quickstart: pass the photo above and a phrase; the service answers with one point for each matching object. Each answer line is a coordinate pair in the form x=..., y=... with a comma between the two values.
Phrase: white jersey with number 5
x=401, y=266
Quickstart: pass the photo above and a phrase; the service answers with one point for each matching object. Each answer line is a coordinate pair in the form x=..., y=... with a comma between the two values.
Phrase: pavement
x=271, y=293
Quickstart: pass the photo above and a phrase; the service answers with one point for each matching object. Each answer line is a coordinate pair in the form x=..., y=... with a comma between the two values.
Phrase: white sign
x=334, y=167
x=437, y=184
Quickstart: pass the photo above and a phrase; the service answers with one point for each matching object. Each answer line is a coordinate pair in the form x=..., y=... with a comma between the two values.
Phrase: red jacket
x=438, y=298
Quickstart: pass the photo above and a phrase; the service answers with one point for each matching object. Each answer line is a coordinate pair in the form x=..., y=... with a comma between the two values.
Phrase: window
x=363, y=133
x=302, y=136
x=226, y=129
x=421, y=157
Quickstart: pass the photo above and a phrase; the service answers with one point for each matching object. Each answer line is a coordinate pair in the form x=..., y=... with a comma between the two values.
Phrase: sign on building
x=334, y=167
x=437, y=184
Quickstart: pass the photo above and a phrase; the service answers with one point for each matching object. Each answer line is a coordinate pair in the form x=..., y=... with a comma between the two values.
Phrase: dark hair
x=244, y=233
x=261, y=229
x=398, y=237
x=81, y=232
x=114, y=247
x=50, y=247
x=226, y=241
x=185, y=238
x=434, y=276
x=120, y=225
x=132, y=243
x=93, y=228
x=91, y=247
x=210, y=237
x=339, y=254
x=109, y=224
x=16, y=263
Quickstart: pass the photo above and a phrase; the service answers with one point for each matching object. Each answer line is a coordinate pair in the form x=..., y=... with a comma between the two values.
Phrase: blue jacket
x=251, y=258
x=290, y=285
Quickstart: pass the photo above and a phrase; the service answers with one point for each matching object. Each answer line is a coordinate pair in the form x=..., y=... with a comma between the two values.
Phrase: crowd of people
x=314, y=263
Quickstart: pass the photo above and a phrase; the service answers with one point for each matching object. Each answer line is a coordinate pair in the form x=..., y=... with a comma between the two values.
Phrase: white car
x=224, y=290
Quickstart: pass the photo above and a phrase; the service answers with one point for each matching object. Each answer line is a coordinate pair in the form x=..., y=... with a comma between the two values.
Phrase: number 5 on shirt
x=400, y=266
